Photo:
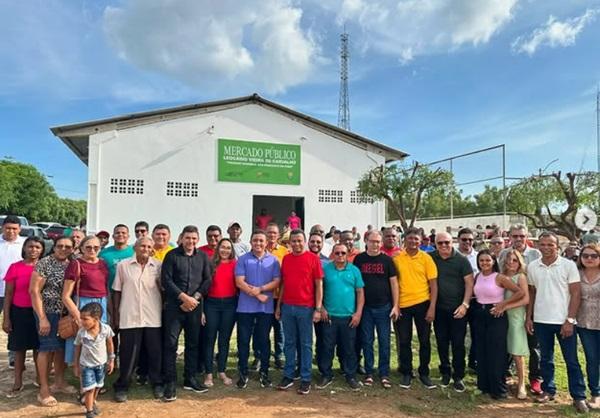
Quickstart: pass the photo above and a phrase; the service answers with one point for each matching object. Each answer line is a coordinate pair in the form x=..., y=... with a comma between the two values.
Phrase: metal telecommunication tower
x=344, y=104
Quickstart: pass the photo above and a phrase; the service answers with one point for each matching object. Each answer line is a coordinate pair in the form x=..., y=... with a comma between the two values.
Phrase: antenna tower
x=344, y=104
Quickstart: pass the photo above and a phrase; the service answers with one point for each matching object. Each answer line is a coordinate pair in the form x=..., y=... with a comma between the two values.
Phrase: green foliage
x=25, y=191
x=403, y=187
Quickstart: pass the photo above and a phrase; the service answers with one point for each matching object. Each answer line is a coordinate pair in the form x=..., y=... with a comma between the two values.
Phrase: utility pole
x=344, y=102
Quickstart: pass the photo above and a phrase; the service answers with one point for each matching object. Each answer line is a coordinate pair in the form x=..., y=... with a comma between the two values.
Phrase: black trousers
x=534, y=357
x=174, y=320
x=491, y=352
x=337, y=333
x=471, y=313
x=132, y=341
x=403, y=328
x=450, y=332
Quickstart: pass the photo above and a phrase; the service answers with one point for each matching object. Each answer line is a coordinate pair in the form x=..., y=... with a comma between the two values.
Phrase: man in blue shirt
x=257, y=274
x=343, y=301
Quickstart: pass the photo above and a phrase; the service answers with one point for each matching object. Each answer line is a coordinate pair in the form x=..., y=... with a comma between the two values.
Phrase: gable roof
x=76, y=136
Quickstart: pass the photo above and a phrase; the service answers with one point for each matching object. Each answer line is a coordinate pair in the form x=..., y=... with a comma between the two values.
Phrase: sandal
x=368, y=381
x=49, y=401
x=385, y=382
x=67, y=390
x=14, y=392
x=208, y=381
x=226, y=380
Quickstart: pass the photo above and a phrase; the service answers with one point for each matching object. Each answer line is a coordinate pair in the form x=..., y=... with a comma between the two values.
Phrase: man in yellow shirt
x=161, y=234
x=417, y=279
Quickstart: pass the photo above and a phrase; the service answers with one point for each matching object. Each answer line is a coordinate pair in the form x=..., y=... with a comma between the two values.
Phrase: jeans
x=450, y=332
x=297, y=326
x=256, y=326
x=337, y=332
x=174, y=320
x=376, y=319
x=546, y=334
x=220, y=319
x=132, y=342
x=92, y=377
x=491, y=350
x=403, y=327
x=590, y=340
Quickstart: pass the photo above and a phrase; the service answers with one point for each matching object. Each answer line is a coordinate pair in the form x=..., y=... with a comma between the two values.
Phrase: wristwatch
x=572, y=321
x=318, y=309
x=466, y=305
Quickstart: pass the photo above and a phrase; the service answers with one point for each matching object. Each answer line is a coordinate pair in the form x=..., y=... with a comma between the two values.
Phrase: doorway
x=279, y=207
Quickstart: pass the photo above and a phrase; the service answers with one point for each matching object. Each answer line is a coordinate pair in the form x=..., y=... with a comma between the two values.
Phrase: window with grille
x=330, y=196
x=182, y=189
x=358, y=197
x=126, y=186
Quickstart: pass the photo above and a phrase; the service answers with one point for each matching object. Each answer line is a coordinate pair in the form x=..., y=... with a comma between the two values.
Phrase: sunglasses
x=466, y=239
x=94, y=248
x=590, y=255
x=340, y=253
x=140, y=231
x=63, y=247
x=443, y=243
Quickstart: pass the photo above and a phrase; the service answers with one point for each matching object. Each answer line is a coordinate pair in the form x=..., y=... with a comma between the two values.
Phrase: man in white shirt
x=554, y=299
x=234, y=230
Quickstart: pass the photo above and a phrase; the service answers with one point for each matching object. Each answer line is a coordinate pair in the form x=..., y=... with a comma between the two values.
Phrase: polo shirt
x=299, y=273
x=339, y=289
x=451, y=279
x=141, y=302
x=112, y=256
x=257, y=272
x=93, y=349
x=160, y=254
x=10, y=252
x=350, y=256
x=552, y=289
x=279, y=251
x=413, y=278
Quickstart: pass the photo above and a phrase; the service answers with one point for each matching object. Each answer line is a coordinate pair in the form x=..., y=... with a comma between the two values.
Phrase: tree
x=403, y=187
x=550, y=201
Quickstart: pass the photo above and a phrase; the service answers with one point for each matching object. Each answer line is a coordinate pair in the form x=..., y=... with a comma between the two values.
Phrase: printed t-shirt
x=376, y=272
x=414, y=275
x=339, y=289
x=299, y=273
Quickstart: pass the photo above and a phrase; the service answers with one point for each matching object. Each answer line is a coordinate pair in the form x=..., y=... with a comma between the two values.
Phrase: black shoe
x=304, y=388
x=427, y=382
x=158, y=391
x=89, y=414
x=361, y=370
x=255, y=365
x=141, y=379
x=445, y=380
x=195, y=386
x=297, y=374
x=120, y=396
x=265, y=382
x=170, y=392
x=242, y=382
x=285, y=383
x=459, y=386
x=324, y=382
x=405, y=380
x=354, y=384
x=11, y=363
x=498, y=396
x=278, y=363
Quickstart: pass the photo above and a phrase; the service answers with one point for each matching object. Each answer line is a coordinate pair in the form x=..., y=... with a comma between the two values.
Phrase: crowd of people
x=131, y=303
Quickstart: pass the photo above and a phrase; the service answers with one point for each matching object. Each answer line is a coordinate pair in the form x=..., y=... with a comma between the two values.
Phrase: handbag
x=67, y=327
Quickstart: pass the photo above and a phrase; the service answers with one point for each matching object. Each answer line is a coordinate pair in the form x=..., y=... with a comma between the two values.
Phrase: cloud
x=410, y=28
x=207, y=44
x=554, y=33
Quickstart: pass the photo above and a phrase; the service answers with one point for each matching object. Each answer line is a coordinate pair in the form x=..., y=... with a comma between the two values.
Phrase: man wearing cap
x=213, y=236
x=103, y=236
x=235, y=232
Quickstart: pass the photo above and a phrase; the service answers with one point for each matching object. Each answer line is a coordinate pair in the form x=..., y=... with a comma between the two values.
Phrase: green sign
x=258, y=162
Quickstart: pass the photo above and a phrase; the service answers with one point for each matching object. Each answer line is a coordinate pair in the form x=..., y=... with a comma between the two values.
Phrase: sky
x=433, y=78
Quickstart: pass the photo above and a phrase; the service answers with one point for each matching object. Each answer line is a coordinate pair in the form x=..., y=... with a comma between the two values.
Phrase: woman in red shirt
x=19, y=322
x=219, y=311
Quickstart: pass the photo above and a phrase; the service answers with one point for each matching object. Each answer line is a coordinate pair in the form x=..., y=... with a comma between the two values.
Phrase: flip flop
x=68, y=390
x=14, y=392
x=49, y=401
x=385, y=382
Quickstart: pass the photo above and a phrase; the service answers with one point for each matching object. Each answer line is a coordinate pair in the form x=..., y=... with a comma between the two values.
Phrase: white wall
x=186, y=150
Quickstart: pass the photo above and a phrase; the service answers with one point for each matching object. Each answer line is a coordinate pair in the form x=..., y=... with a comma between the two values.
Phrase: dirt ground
x=336, y=402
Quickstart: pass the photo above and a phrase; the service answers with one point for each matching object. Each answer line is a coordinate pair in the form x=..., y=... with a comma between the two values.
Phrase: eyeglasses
x=63, y=247
x=443, y=243
x=340, y=253
x=590, y=255
x=94, y=248
x=216, y=236
x=466, y=239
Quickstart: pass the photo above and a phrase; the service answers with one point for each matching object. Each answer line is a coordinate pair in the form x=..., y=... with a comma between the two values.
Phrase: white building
x=217, y=162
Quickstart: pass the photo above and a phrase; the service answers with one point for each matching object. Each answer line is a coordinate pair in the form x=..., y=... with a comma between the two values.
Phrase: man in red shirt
x=294, y=221
x=213, y=236
x=300, y=303
x=263, y=219
x=390, y=242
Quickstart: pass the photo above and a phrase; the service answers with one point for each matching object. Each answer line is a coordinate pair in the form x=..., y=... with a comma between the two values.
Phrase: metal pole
x=504, y=197
x=451, y=195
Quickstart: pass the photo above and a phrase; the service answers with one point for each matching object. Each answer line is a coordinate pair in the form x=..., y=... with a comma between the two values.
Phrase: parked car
x=45, y=225
x=56, y=231
x=36, y=231
x=24, y=221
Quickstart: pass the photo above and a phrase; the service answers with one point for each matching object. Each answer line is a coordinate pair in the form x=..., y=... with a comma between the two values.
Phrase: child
x=94, y=352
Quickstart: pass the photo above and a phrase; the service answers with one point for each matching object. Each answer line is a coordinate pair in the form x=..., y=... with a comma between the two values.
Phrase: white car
x=45, y=225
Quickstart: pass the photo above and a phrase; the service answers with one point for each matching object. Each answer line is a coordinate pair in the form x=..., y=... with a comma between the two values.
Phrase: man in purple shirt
x=257, y=274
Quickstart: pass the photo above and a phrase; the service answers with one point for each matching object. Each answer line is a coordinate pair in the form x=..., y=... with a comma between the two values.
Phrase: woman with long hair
x=514, y=267
x=588, y=317
x=219, y=311
x=19, y=321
